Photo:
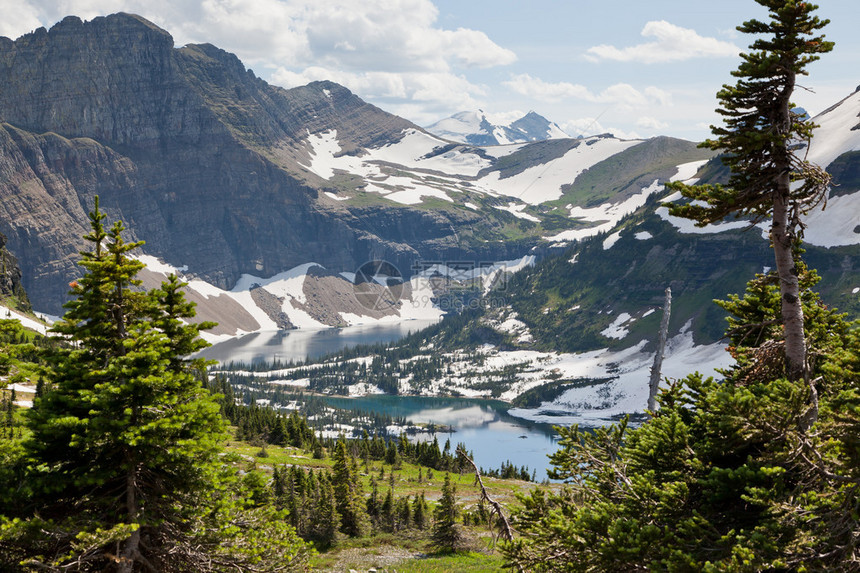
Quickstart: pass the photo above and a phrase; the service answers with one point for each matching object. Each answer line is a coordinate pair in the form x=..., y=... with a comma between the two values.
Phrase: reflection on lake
x=296, y=345
x=484, y=426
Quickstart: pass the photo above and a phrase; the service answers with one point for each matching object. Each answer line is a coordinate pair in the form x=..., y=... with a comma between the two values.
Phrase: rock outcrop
x=10, y=277
x=195, y=155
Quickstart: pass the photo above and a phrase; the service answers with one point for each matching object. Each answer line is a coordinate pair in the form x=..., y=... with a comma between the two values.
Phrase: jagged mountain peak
x=225, y=174
x=216, y=169
x=479, y=128
x=117, y=21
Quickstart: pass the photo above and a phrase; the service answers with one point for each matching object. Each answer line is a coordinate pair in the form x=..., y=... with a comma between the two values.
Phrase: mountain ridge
x=230, y=177
x=476, y=128
x=193, y=152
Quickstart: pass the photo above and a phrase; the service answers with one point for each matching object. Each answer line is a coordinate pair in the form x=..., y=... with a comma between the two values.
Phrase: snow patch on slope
x=27, y=322
x=417, y=303
x=835, y=134
x=323, y=148
x=496, y=129
x=687, y=171
x=288, y=286
x=542, y=183
x=611, y=240
x=433, y=175
x=606, y=215
x=688, y=226
x=417, y=150
x=834, y=224
x=517, y=211
x=618, y=328
x=627, y=392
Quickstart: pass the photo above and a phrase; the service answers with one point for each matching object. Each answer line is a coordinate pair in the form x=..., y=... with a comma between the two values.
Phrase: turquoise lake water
x=484, y=426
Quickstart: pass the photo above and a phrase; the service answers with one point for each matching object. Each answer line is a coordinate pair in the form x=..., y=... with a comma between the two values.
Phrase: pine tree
x=373, y=501
x=769, y=179
x=278, y=486
x=348, y=492
x=419, y=511
x=447, y=533
x=728, y=475
x=387, y=512
x=325, y=520
x=404, y=513
x=125, y=443
x=392, y=456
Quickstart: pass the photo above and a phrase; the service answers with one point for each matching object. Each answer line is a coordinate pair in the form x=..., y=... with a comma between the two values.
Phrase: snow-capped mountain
x=237, y=178
x=476, y=128
x=268, y=202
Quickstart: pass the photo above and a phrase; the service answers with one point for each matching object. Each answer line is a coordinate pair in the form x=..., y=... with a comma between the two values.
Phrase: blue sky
x=636, y=69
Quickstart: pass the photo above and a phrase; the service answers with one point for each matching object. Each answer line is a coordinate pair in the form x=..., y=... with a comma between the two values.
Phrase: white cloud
x=730, y=33
x=437, y=93
x=18, y=18
x=673, y=44
x=504, y=117
x=372, y=35
x=590, y=126
x=538, y=89
x=651, y=123
x=617, y=94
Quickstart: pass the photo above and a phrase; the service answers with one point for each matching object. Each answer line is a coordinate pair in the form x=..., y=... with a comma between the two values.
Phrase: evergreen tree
x=325, y=520
x=348, y=492
x=419, y=511
x=447, y=533
x=124, y=446
x=13, y=348
x=404, y=513
x=728, y=475
x=392, y=456
x=769, y=179
x=278, y=486
x=373, y=501
x=387, y=512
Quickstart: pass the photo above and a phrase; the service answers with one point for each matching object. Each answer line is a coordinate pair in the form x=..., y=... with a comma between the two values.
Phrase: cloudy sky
x=636, y=69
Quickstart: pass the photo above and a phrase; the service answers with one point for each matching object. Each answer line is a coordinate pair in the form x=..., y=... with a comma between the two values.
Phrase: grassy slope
x=410, y=551
x=630, y=170
x=566, y=305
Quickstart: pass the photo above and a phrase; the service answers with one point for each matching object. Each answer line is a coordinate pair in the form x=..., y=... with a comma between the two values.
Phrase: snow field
x=543, y=183
x=27, y=322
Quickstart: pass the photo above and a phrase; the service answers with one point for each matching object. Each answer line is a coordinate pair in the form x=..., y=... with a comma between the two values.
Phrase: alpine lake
x=484, y=426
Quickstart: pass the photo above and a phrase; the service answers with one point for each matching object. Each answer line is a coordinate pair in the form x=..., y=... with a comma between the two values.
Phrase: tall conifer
x=125, y=473
x=770, y=178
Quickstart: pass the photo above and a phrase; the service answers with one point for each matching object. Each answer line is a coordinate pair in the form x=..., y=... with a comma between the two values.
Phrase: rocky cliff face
x=195, y=154
x=10, y=277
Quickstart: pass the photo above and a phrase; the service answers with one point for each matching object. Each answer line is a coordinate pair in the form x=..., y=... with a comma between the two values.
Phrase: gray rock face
x=194, y=153
x=10, y=275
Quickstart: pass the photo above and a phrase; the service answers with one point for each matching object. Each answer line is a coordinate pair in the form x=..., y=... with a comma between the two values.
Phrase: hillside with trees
x=758, y=471
x=123, y=462
x=135, y=458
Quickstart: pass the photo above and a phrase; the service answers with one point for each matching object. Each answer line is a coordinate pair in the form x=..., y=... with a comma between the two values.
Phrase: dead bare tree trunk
x=505, y=526
x=657, y=367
